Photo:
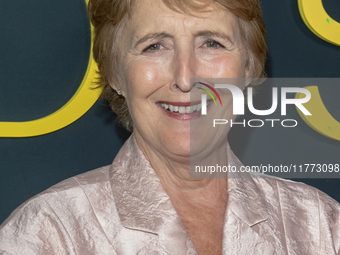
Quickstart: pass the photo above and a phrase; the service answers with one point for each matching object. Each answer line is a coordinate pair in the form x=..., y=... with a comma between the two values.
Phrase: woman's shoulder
x=293, y=191
x=77, y=189
x=90, y=184
x=296, y=195
x=301, y=204
x=308, y=219
x=72, y=210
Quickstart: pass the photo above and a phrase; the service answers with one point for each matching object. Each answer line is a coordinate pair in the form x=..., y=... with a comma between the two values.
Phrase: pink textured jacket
x=123, y=209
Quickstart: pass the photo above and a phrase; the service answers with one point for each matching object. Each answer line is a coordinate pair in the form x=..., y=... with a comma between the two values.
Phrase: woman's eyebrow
x=208, y=33
x=153, y=36
x=205, y=33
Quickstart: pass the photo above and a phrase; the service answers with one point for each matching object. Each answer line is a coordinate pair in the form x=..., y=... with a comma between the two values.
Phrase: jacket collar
x=245, y=197
x=142, y=203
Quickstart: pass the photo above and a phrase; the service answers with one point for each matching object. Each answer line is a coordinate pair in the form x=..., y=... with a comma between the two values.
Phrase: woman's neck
x=174, y=172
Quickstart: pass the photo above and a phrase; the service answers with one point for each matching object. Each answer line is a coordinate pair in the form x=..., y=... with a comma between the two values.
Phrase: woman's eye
x=213, y=44
x=153, y=47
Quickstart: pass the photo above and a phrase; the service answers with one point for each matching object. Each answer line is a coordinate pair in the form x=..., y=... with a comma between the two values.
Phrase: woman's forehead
x=149, y=16
x=187, y=6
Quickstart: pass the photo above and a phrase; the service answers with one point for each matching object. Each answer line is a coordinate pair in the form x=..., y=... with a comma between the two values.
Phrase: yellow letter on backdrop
x=77, y=106
x=320, y=120
x=317, y=20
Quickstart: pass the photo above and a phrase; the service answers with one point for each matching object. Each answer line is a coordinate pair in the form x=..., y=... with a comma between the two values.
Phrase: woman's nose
x=184, y=70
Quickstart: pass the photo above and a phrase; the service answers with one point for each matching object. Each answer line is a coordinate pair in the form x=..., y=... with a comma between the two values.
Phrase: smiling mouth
x=181, y=109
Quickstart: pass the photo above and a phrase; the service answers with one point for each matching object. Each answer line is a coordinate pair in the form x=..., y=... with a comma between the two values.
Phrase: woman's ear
x=247, y=74
x=112, y=85
x=118, y=90
x=247, y=81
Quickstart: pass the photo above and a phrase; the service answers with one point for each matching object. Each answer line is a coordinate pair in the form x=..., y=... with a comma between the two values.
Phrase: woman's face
x=161, y=50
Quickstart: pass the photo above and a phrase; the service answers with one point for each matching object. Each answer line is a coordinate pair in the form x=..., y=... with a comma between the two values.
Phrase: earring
x=119, y=91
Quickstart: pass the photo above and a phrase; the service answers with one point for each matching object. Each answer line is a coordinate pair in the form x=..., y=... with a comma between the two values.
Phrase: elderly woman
x=146, y=202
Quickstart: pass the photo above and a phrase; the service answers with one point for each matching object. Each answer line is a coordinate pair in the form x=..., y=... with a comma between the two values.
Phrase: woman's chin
x=187, y=149
x=188, y=143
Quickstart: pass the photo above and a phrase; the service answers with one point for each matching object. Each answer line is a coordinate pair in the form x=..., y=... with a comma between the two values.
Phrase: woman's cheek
x=151, y=72
x=138, y=74
x=223, y=66
x=144, y=77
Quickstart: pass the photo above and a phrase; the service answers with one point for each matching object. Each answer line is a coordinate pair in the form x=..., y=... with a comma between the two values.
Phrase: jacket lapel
x=143, y=206
x=141, y=201
x=245, y=211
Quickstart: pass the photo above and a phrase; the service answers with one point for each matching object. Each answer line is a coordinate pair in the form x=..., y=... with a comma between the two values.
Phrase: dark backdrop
x=44, y=50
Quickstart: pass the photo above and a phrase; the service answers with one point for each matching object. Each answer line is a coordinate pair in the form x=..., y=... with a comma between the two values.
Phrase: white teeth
x=182, y=109
x=199, y=106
